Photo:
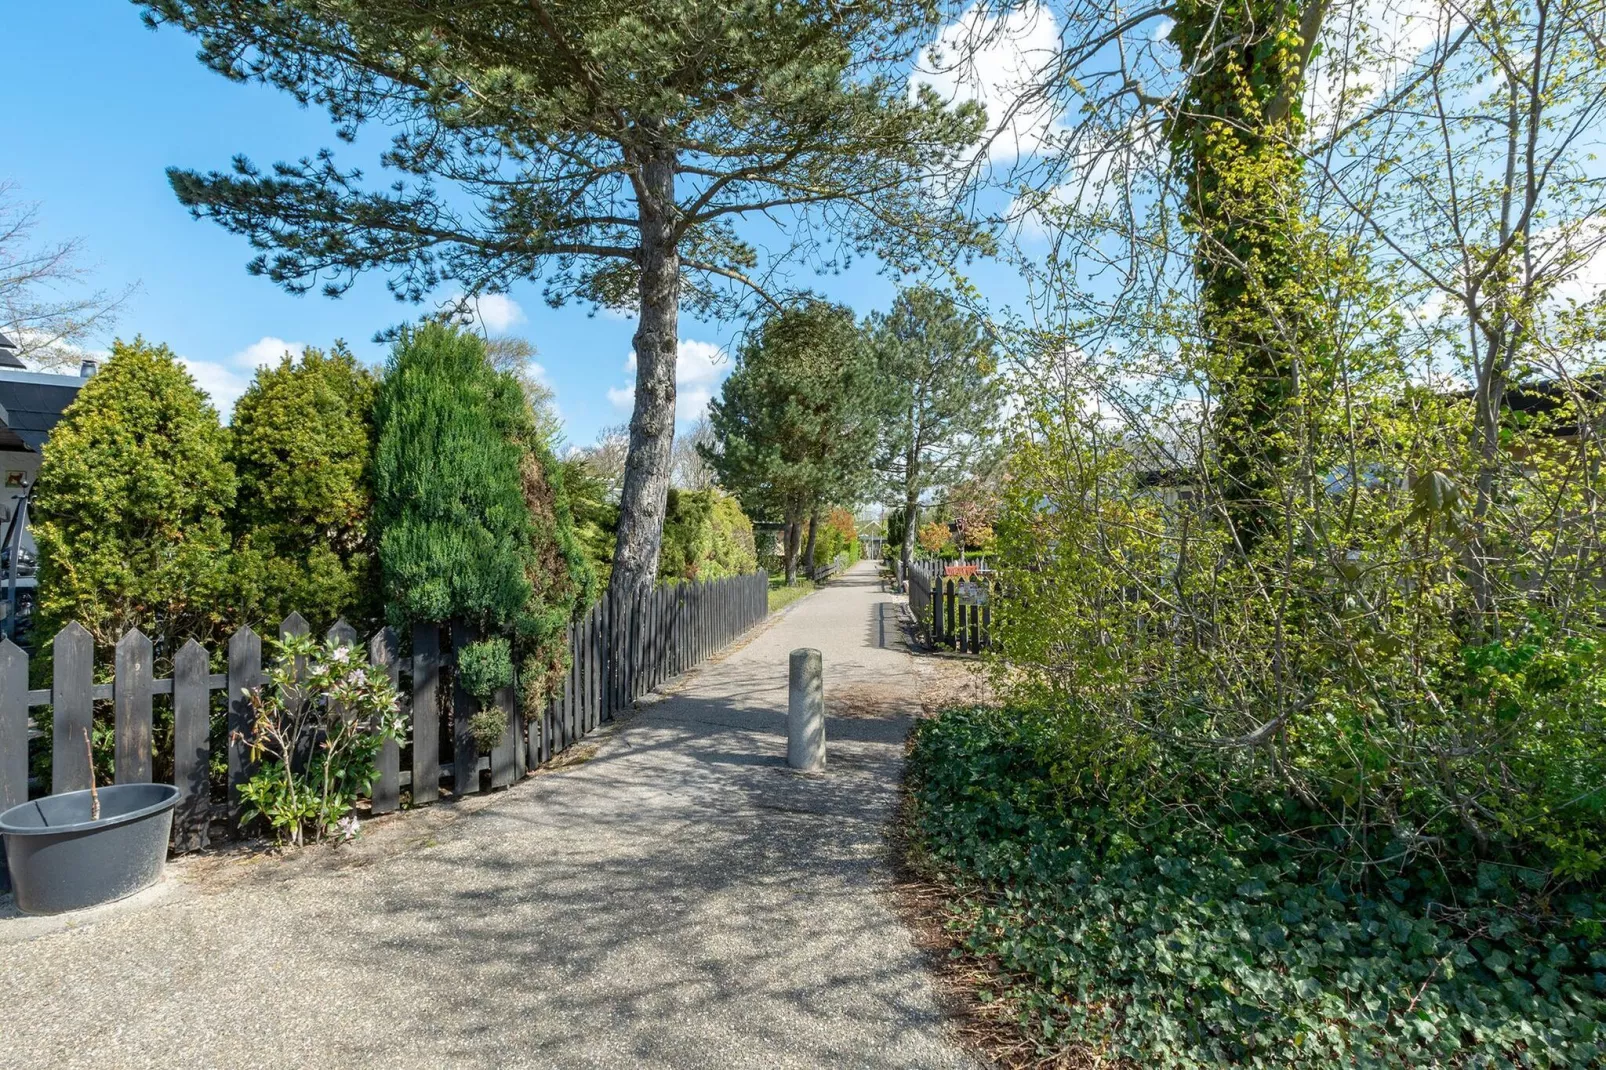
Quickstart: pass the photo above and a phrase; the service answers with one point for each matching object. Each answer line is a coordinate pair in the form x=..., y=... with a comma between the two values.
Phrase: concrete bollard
x=805, y=713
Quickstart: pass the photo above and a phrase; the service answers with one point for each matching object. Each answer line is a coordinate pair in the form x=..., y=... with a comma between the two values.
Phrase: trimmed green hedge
x=1205, y=942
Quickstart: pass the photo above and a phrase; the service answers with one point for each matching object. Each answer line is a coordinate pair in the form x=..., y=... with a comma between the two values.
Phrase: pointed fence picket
x=620, y=649
x=952, y=611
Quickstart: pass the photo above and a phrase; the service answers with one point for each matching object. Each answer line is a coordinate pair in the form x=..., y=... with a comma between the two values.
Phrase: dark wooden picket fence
x=955, y=612
x=620, y=650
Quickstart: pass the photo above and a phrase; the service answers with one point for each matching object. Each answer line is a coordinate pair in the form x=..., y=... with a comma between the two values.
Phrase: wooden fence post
x=131, y=706
x=465, y=753
x=426, y=713
x=192, y=707
x=13, y=725
x=384, y=651
x=73, y=652
x=245, y=676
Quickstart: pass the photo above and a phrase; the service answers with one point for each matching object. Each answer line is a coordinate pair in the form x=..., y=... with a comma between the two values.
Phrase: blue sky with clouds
x=96, y=106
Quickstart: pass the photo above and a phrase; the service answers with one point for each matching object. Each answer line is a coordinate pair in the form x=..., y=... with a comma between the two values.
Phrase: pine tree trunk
x=652, y=425
x=808, y=551
x=911, y=512
x=791, y=538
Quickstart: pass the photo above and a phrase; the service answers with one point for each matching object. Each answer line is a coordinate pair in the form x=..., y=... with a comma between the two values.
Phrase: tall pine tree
x=607, y=147
x=795, y=423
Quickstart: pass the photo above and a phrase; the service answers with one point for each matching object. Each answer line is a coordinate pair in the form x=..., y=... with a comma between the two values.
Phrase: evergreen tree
x=130, y=506
x=606, y=147
x=942, y=402
x=454, y=530
x=795, y=424
x=302, y=446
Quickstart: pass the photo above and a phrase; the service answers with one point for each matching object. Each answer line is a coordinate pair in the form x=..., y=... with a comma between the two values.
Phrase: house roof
x=30, y=405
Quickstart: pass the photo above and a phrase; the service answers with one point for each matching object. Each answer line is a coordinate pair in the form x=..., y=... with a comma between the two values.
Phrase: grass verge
x=781, y=595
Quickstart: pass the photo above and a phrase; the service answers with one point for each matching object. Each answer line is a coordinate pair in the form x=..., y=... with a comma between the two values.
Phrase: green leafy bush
x=302, y=445
x=1211, y=941
x=320, y=719
x=838, y=533
x=130, y=506
x=482, y=669
x=706, y=537
x=454, y=530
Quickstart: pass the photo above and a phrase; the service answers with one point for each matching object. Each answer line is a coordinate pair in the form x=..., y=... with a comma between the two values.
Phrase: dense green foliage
x=130, y=506
x=706, y=537
x=301, y=442
x=837, y=534
x=483, y=668
x=1218, y=941
x=449, y=500
x=595, y=511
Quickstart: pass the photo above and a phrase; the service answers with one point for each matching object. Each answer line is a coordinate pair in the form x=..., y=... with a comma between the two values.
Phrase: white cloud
x=489, y=313
x=996, y=60
x=498, y=312
x=699, y=368
x=225, y=380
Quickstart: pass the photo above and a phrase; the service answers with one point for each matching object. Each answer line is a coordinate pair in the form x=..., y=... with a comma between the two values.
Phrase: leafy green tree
x=131, y=503
x=302, y=443
x=606, y=147
x=454, y=530
x=943, y=398
x=795, y=423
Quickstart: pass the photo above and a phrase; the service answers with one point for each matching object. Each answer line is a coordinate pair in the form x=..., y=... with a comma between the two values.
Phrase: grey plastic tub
x=61, y=860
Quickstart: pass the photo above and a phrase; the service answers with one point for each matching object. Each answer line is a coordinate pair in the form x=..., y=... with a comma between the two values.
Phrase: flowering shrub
x=321, y=718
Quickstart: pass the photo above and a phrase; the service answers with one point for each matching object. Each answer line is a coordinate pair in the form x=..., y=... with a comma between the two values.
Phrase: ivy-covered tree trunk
x=652, y=425
x=1233, y=141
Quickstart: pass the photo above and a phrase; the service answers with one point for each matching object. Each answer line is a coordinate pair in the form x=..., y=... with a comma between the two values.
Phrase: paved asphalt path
x=680, y=900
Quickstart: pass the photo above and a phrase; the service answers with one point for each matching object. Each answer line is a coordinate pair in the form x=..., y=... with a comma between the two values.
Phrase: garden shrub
x=706, y=537
x=483, y=668
x=474, y=521
x=130, y=507
x=320, y=719
x=560, y=575
x=454, y=532
x=1217, y=940
x=302, y=446
x=935, y=538
x=838, y=533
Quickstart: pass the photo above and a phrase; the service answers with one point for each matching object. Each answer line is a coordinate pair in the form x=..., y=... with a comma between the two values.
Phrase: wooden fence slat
x=13, y=725
x=594, y=664
x=572, y=691
x=465, y=754
x=131, y=706
x=341, y=634
x=192, y=723
x=503, y=755
x=426, y=786
x=384, y=651
x=73, y=653
x=245, y=676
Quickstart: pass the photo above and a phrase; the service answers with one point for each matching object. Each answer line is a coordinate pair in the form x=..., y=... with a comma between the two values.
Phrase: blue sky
x=96, y=106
